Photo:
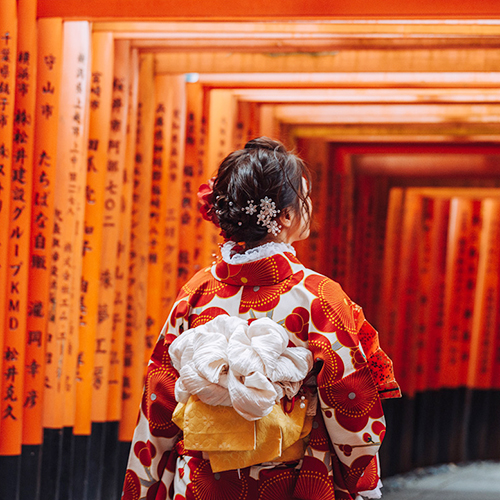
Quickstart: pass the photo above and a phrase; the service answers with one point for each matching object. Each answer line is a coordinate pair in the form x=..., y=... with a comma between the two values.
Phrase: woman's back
x=312, y=421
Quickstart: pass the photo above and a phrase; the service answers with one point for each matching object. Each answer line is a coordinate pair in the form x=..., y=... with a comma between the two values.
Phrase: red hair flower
x=206, y=199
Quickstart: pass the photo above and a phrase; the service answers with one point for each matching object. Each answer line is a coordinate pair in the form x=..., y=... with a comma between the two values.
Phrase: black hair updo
x=262, y=168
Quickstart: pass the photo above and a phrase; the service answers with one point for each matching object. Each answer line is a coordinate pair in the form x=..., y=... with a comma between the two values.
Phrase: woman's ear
x=286, y=218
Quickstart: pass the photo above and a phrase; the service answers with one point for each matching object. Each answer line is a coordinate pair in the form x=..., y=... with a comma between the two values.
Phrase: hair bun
x=263, y=170
x=266, y=143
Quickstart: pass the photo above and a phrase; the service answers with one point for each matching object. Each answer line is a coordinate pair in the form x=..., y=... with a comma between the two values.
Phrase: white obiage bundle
x=229, y=362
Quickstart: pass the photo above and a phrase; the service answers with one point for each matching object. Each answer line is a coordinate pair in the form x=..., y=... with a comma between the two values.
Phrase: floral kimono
x=333, y=453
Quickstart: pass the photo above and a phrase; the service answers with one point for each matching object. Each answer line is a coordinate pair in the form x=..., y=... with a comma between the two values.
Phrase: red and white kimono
x=352, y=375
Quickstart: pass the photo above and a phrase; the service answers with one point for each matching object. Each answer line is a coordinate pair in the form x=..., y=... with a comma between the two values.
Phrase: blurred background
x=111, y=116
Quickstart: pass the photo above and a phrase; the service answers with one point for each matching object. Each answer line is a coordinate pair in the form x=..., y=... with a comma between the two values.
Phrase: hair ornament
x=250, y=209
x=266, y=215
x=206, y=202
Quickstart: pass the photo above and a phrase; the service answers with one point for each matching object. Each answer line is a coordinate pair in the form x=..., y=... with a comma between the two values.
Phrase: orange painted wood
x=8, y=42
x=48, y=51
x=72, y=358
x=114, y=160
x=376, y=252
x=312, y=251
x=269, y=124
x=243, y=117
x=342, y=236
x=430, y=298
x=400, y=95
x=390, y=284
x=495, y=370
x=161, y=191
x=406, y=293
x=364, y=60
x=363, y=214
x=202, y=176
x=220, y=129
x=173, y=159
x=189, y=246
x=349, y=80
x=67, y=231
x=12, y=402
x=461, y=274
x=303, y=31
x=434, y=317
x=41, y=291
x=260, y=9
x=92, y=311
x=485, y=321
x=123, y=249
x=135, y=333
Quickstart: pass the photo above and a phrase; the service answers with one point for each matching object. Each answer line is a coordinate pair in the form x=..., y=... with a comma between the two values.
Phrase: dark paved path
x=474, y=481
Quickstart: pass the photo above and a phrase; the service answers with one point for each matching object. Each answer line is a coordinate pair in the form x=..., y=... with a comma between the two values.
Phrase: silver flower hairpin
x=250, y=209
x=266, y=215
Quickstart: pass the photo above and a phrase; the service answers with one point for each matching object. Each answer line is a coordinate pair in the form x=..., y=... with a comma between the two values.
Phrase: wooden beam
x=403, y=134
x=368, y=96
x=413, y=132
x=382, y=79
x=302, y=29
x=303, y=36
x=326, y=44
x=446, y=60
x=262, y=9
x=387, y=113
x=421, y=163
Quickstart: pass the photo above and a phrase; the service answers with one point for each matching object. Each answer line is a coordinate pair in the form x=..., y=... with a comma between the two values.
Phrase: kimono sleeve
x=152, y=458
x=349, y=395
x=380, y=364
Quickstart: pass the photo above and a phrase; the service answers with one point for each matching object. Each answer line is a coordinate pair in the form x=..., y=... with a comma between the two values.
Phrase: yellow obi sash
x=232, y=442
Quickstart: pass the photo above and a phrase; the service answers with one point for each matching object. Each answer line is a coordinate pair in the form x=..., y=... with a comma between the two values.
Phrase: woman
x=277, y=377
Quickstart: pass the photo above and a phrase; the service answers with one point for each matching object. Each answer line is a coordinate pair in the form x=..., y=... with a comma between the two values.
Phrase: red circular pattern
x=278, y=486
x=378, y=429
x=131, y=486
x=181, y=310
x=158, y=401
x=292, y=258
x=331, y=311
x=145, y=452
x=363, y=474
x=346, y=449
x=318, y=438
x=298, y=322
x=203, y=287
x=314, y=481
x=206, y=485
x=207, y=315
x=266, y=298
x=342, y=495
x=264, y=272
x=354, y=399
x=353, y=396
x=357, y=358
x=157, y=492
x=333, y=366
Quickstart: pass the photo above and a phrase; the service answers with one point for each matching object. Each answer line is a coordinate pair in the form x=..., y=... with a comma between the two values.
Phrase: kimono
x=351, y=374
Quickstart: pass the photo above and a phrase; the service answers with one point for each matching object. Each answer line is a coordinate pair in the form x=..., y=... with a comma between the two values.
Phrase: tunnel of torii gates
x=110, y=107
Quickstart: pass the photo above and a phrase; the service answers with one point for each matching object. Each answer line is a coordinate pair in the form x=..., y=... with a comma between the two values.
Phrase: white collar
x=256, y=253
